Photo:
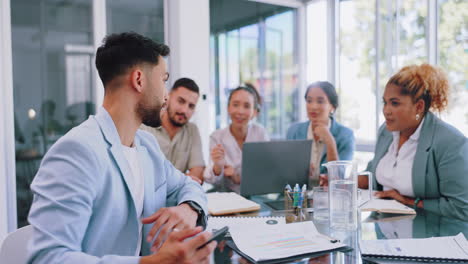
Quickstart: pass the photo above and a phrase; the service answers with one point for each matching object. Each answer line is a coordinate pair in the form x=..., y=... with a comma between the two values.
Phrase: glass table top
x=372, y=226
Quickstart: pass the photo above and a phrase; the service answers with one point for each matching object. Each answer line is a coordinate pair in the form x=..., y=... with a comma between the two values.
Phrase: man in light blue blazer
x=100, y=195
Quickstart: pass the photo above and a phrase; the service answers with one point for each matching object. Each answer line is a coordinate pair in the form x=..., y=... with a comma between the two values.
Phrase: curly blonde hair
x=425, y=82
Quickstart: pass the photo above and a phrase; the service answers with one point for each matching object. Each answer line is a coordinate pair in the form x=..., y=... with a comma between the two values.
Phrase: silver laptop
x=268, y=166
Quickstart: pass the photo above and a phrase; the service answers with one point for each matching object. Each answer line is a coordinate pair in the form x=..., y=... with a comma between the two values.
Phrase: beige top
x=184, y=151
x=316, y=151
x=233, y=154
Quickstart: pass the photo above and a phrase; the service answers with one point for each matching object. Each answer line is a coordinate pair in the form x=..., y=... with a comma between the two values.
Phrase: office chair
x=14, y=247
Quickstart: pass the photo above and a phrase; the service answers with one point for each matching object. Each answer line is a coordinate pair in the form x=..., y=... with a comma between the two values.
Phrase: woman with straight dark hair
x=331, y=140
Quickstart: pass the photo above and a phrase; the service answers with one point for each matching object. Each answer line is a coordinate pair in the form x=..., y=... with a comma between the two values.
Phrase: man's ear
x=136, y=79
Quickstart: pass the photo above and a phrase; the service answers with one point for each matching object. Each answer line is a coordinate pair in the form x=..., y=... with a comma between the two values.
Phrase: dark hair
x=425, y=82
x=186, y=83
x=259, y=98
x=328, y=89
x=248, y=89
x=120, y=52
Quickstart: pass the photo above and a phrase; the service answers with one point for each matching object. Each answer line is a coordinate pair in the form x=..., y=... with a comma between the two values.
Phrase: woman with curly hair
x=419, y=159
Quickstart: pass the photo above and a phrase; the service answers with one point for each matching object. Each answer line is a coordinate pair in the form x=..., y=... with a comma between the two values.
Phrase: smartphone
x=218, y=235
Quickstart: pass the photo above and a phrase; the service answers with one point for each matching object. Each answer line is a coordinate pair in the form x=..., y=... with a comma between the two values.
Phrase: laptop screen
x=268, y=166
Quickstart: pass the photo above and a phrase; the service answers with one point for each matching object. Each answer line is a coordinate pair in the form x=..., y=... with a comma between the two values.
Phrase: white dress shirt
x=232, y=152
x=137, y=186
x=394, y=170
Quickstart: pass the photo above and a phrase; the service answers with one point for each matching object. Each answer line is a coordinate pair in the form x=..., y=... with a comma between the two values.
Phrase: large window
x=378, y=37
x=453, y=58
x=52, y=80
x=256, y=46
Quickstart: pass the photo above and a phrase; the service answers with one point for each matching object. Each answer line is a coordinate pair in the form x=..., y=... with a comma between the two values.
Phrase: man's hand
x=166, y=220
x=217, y=155
x=196, y=173
x=176, y=250
x=230, y=172
x=195, y=178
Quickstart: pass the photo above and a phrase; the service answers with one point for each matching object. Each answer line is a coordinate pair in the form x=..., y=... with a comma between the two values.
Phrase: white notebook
x=451, y=248
x=383, y=205
x=222, y=203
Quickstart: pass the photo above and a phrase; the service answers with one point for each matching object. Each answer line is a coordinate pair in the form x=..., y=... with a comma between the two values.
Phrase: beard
x=173, y=120
x=150, y=115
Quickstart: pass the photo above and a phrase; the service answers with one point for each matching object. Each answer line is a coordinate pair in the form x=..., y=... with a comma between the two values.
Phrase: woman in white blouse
x=419, y=159
x=224, y=167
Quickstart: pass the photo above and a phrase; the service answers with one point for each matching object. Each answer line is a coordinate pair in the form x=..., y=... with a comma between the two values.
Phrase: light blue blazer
x=440, y=167
x=83, y=210
x=344, y=138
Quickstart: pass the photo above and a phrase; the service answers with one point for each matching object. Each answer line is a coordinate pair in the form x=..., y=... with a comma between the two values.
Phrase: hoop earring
x=417, y=117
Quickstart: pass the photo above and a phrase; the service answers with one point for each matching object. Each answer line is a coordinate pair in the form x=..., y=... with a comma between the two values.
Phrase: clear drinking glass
x=342, y=193
x=320, y=202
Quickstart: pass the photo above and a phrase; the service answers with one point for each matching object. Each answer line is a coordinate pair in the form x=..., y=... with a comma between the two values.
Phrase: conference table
x=372, y=225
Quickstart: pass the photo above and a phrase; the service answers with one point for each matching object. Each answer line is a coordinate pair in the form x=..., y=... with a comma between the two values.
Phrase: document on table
x=215, y=223
x=281, y=241
x=442, y=248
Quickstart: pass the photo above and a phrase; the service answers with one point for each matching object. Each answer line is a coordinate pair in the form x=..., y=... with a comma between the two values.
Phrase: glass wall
x=257, y=46
x=52, y=80
x=145, y=17
x=53, y=64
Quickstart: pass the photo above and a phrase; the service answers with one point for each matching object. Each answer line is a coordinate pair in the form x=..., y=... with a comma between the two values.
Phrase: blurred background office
x=49, y=82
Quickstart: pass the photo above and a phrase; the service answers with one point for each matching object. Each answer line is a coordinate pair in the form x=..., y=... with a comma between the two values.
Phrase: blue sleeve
x=64, y=192
x=346, y=145
x=182, y=188
x=291, y=132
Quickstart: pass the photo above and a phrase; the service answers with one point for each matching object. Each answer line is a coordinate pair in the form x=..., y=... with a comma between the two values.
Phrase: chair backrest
x=14, y=247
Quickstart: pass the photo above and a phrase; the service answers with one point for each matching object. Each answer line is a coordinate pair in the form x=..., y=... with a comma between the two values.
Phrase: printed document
x=282, y=241
x=451, y=247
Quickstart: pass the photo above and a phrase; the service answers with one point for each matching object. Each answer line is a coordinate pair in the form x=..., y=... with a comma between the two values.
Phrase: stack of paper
x=265, y=242
x=453, y=248
x=221, y=203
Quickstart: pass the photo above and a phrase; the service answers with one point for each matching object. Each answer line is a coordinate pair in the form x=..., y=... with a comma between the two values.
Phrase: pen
x=301, y=195
x=296, y=195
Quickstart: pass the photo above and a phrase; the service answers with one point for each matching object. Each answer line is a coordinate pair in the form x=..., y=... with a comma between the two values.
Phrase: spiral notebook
x=434, y=249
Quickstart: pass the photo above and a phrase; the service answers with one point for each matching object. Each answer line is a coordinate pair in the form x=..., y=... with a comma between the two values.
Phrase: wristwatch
x=202, y=219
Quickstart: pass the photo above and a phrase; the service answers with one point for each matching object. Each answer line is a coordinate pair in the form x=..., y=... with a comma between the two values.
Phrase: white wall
x=7, y=148
x=188, y=33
